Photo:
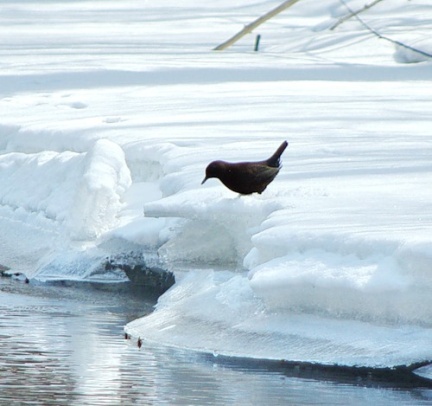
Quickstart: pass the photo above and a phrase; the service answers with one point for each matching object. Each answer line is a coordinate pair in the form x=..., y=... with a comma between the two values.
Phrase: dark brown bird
x=246, y=177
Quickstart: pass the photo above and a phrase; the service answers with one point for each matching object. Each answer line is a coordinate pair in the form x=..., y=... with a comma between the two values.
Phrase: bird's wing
x=263, y=173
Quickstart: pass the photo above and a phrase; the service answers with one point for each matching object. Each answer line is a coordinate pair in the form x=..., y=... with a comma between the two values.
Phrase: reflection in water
x=65, y=346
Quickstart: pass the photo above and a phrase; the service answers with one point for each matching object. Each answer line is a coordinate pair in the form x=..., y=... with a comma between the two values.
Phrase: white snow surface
x=110, y=111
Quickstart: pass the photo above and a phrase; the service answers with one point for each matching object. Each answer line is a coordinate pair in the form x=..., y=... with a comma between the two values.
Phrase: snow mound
x=372, y=289
x=80, y=191
x=97, y=200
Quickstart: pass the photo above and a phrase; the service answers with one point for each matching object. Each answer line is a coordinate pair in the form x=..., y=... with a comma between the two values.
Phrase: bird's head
x=213, y=170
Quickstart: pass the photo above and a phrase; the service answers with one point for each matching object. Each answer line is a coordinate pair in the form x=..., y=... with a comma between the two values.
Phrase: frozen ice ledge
x=306, y=272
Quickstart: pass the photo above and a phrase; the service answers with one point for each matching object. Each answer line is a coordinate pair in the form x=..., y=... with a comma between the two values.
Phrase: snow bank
x=344, y=270
x=331, y=264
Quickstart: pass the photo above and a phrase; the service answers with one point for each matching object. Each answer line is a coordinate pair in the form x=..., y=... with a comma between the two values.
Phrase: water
x=65, y=345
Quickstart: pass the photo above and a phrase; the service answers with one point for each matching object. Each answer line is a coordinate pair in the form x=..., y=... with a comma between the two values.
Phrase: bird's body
x=246, y=177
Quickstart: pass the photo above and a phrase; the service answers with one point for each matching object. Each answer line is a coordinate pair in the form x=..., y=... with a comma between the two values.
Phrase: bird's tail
x=274, y=160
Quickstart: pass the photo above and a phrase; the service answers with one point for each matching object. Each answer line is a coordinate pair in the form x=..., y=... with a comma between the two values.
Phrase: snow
x=110, y=112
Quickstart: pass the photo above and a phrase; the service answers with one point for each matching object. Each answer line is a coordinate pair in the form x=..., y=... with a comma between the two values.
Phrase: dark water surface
x=65, y=346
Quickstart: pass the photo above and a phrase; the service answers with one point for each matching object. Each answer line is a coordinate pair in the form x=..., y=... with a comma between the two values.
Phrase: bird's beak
x=204, y=180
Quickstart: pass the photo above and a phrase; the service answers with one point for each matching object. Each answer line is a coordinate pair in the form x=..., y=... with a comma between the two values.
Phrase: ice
x=425, y=372
x=217, y=312
x=78, y=265
x=112, y=111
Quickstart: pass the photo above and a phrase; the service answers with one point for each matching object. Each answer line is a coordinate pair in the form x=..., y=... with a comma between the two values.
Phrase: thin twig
x=373, y=31
x=352, y=14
